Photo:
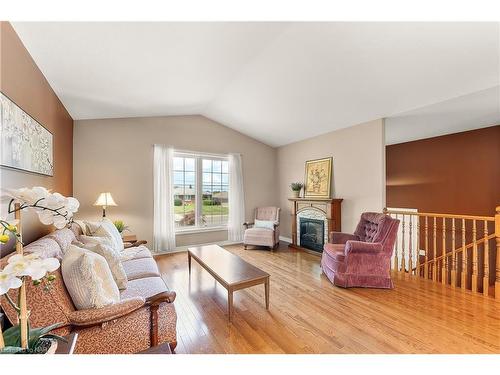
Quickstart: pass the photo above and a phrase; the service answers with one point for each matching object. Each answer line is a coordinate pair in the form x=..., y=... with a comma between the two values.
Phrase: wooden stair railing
x=453, y=253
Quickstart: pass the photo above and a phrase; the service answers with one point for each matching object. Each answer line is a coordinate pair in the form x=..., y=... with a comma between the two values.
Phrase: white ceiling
x=276, y=82
x=473, y=111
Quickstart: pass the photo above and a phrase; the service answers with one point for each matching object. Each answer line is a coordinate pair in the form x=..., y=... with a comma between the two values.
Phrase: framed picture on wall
x=318, y=178
x=25, y=144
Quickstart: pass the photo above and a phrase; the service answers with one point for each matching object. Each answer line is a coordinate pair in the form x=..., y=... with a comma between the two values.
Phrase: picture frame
x=26, y=145
x=318, y=178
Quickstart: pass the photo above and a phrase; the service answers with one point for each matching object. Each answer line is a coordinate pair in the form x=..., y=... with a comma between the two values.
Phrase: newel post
x=497, y=238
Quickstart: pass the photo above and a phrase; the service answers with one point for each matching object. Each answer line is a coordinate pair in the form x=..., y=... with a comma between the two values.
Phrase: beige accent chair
x=263, y=236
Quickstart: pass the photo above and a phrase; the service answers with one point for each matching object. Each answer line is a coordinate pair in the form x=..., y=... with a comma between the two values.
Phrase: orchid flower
x=52, y=208
x=8, y=281
x=30, y=265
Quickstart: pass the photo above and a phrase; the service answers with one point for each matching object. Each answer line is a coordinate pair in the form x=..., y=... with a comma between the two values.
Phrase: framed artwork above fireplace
x=318, y=178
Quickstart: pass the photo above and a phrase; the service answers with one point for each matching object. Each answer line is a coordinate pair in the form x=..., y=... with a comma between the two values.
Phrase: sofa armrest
x=247, y=225
x=359, y=247
x=155, y=300
x=91, y=317
x=341, y=238
x=154, y=304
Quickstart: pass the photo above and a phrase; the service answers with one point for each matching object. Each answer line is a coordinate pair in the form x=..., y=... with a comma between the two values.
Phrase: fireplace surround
x=327, y=210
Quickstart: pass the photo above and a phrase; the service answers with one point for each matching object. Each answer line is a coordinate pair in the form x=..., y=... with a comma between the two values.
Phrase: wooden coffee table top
x=227, y=268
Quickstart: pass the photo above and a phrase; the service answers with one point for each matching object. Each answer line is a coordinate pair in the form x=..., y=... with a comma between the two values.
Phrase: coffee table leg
x=189, y=263
x=230, y=303
x=266, y=286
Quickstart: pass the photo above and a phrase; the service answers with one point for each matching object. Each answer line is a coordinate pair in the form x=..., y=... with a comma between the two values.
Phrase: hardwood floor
x=309, y=315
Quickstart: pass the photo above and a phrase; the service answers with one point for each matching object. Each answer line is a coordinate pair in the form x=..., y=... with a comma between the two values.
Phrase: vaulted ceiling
x=276, y=82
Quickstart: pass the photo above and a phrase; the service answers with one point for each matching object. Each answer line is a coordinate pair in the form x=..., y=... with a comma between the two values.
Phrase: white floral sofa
x=144, y=317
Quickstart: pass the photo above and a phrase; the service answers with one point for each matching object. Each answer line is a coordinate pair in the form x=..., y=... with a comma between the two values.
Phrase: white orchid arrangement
x=52, y=208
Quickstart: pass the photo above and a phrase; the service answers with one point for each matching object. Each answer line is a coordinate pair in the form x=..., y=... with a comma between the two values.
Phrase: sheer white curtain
x=164, y=225
x=236, y=199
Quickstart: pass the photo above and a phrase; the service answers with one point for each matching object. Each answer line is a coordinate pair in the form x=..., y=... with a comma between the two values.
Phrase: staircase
x=460, y=251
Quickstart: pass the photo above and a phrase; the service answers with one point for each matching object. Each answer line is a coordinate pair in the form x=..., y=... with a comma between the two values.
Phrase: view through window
x=201, y=186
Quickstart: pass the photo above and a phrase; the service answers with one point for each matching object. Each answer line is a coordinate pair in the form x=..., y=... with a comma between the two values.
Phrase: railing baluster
x=497, y=265
x=396, y=263
x=403, y=264
x=463, y=274
x=474, y=257
x=486, y=270
x=453, y=255
x=410, y=247
x=462, y=265
x=444, y=270
x=434, y=262
x=417, y=270
x=426, y=264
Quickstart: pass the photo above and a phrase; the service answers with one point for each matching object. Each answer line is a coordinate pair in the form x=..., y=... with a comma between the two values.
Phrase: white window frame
x=199, y=156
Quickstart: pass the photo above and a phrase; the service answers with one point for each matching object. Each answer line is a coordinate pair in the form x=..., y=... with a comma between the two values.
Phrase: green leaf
x=12, y=336
x=37, y=333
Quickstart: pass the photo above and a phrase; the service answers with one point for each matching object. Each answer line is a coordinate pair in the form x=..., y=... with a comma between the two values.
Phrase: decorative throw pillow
x=114, y=262
x=264, y=224
x=88, y=279
x=105, y=228
x=90, y=240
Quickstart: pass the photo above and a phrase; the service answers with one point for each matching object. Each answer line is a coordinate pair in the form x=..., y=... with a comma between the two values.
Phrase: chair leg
x=245, y=246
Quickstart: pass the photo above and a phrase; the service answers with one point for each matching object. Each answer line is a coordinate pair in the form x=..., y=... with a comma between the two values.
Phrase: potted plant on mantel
x=296, y=188
x=52, y=208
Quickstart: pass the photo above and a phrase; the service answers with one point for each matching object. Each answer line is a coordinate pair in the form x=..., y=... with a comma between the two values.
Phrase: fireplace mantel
x=331, y=207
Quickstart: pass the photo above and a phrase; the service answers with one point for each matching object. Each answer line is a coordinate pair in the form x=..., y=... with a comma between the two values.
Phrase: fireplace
x=312, y=234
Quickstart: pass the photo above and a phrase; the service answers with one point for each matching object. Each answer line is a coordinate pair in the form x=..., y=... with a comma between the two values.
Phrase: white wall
x=116, y=155
x=358, y=170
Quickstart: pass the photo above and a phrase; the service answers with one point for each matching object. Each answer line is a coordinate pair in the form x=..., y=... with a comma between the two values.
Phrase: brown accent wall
x=24, y=83
x=456, y=173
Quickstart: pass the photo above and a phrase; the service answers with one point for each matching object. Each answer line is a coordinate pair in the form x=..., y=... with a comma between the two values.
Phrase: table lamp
x=104, y=200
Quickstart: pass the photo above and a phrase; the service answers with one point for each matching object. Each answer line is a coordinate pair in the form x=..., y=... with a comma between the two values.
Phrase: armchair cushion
x=259, y=236
x=91, y=317
x=335, y=251
x=268, y=224
x=341, y=238
x=360, y=247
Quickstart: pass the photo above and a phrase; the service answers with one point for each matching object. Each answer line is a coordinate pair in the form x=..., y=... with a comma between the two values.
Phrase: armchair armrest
x=92, y=317
x=341, y=238
x=359, y=247
x=246, y=225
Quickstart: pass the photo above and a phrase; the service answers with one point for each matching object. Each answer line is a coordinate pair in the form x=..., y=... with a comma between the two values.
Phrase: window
x=201, y=186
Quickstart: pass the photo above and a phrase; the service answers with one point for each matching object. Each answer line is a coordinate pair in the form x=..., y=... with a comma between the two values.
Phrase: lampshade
x=105, y=199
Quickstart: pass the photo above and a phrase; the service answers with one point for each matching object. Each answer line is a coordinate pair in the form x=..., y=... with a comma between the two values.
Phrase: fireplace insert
x=312, y=234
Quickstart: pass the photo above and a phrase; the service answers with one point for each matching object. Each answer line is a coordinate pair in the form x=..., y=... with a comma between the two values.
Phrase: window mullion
x=198, y=192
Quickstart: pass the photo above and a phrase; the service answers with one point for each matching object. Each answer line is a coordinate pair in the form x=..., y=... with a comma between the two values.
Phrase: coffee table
x=232, y=272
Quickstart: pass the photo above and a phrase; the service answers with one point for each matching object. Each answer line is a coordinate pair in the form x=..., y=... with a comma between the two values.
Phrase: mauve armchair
x=263, y=236
x=362, y=259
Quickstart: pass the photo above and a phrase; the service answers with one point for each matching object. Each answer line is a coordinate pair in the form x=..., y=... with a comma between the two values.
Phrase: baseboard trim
x=181, y=249
x=285, y=239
